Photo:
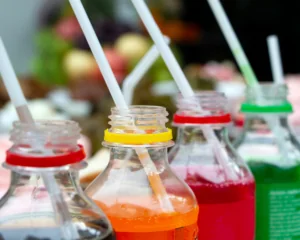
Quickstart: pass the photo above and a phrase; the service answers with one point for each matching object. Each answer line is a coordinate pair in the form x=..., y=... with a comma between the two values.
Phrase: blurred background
x=62, y=80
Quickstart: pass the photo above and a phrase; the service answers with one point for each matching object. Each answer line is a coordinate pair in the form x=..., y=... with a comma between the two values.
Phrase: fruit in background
x=162, y=75
x=159, y=71
x=107, y=31
x=132, y=46
x=68, y=28
x=117, y=62
x=47, y=65
x=79, y=64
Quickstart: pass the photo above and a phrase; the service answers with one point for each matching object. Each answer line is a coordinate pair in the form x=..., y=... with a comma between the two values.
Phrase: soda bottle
x=28, y=210
x=273, y=155
x=131, y=194
x=226, y=201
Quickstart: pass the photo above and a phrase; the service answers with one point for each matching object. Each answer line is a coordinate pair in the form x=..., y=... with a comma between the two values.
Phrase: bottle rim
x=255, y=108
x=274, y=100
x=138, y=139
x=20, y=160
x=190, y=120
x=213, y=109
x=138, y=125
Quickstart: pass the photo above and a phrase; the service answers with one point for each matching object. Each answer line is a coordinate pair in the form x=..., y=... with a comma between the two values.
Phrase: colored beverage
x=226, y=209
x=132, y=222
x=278, y=201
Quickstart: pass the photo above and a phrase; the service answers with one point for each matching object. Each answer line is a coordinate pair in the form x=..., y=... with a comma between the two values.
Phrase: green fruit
x=47, y=65
x=162, y=75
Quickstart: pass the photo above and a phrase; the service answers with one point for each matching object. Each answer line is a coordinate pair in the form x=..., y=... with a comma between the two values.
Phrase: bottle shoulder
x=28, y=204
x=266, y=147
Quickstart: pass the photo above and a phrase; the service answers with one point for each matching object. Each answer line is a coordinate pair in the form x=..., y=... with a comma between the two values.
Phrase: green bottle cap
x=254, y=108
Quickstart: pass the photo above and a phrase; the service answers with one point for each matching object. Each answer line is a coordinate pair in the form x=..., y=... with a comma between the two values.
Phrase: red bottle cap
x=216, y=119
x=45, y=161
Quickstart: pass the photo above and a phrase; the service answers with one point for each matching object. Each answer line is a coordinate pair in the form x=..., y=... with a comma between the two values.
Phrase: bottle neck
x=194, y=134
x=45, y=144
x=259, y=123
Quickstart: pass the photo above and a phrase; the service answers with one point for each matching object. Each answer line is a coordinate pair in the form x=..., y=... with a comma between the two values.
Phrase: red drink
x=226, y=209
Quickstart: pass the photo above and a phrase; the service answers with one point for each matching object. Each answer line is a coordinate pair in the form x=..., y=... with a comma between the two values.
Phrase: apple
x=79, y=64
x=68, y=28
x=132, y=46
x=117, y=62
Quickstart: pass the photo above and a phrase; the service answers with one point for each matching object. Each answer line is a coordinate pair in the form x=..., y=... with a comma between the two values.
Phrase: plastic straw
x=245, y=66
x=233, y=42
x=275, y=58
x=111, y=82
x=181, y=80
x=18, y=99
x=278, y=78
x=132, y=80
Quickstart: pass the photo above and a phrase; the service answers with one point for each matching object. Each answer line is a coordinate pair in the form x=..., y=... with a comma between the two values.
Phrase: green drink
x=274, y=163
x=277, y=201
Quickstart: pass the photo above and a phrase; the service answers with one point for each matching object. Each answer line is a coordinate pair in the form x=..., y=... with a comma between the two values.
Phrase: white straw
x=12, y=86
x=180, y=79
x=18, y=99
x=163, y=48
x=98, y=53
x=132, y=80
x=149, y=166
x=275, y=58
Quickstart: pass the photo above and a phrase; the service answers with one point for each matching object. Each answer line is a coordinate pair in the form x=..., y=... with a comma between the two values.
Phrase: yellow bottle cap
x=137, y=139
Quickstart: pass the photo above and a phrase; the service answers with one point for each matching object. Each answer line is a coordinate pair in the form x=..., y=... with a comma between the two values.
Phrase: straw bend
x=139, y=71
x=163, y=48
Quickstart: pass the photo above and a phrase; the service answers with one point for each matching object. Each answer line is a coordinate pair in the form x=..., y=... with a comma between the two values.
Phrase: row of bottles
x=202, y=189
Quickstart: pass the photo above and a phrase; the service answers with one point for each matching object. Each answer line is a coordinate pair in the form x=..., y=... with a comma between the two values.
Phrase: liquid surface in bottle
x=278, y=200
x=226, y=208
x=137, y=222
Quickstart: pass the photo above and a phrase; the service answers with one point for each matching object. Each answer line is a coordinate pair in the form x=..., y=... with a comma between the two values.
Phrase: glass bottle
x=273, y=155
x=138, y=191
x=58, y=208
x=222, y=183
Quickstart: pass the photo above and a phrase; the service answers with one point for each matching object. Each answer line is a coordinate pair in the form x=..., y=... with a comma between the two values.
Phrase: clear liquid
x=44, y=234
x=92, y=230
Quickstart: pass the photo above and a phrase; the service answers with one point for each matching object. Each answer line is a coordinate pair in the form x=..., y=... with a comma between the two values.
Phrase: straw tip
x=272, y=38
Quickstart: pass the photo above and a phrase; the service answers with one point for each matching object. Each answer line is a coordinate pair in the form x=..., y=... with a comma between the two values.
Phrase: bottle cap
x=255, y=108
x=21, y=160
x=138, y=139
x=215, y=119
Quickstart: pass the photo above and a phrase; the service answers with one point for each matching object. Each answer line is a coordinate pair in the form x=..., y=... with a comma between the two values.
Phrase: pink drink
x=226, y=209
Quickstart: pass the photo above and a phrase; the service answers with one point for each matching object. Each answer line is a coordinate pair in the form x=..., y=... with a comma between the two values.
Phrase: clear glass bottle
x=138, y=191
x=58, y=208
x=273, y=155
x=222, y=183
